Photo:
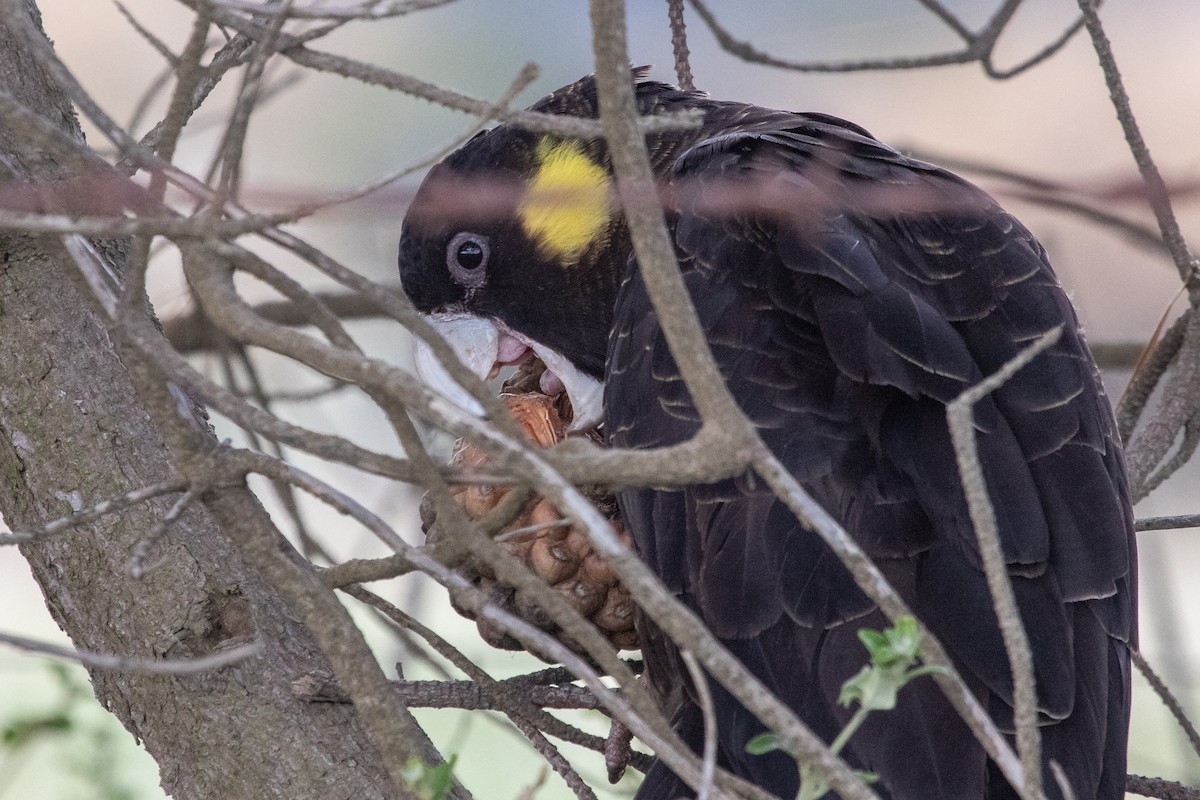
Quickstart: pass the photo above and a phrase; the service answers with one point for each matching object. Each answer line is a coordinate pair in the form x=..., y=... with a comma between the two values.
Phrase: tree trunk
x=73, y=432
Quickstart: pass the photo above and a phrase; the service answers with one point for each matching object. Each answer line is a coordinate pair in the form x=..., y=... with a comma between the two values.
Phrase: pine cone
x=559, y=554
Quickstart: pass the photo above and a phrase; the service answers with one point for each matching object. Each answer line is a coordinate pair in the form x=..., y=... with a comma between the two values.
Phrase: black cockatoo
x=848, y=293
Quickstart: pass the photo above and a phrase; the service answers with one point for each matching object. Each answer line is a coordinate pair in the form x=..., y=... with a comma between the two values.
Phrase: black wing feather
x=858, y=294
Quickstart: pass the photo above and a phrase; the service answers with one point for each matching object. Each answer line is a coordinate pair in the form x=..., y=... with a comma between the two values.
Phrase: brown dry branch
x=1148, y=448
x=709, y=751
x=1169, y=699
x=285, y=494
x=374, y=10
x=92, y=513
x=1156, y=188
x=370, y=74
x=978, y=46
x=631, y=706
x=683, y=66
x=105, y=661
x=1163, y=789
x=960, y=415
x=137, y=563
x=528, y=718
x=1148, y=371
x=1168, y=523
x=471, y=696
x=1149, y=445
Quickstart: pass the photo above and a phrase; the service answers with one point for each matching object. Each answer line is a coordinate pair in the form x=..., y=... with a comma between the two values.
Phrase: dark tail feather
x=1090, y=745
x=660, y=782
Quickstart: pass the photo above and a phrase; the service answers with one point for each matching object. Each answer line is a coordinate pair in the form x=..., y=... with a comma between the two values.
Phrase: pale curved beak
x=476, y=342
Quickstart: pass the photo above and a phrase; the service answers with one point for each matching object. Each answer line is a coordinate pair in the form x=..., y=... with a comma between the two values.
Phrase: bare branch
x=95, y=512
x=373, y=10
x=1156, y=189
x=1168, y=523
x=1180, y=404
x=189, y=666
x=683, y=67
x=374, y=75
x=656, y=733
x=1169, y=700
x=1148, y=371
x=1040, y=191
x=1160, y=788
x=979, y=46
x=525, y=715
x=960, y=417
x=137, y=566
x=1060, y=778
x=704, y=694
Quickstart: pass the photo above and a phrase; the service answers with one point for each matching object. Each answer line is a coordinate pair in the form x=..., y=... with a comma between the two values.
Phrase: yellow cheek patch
x=566, y=202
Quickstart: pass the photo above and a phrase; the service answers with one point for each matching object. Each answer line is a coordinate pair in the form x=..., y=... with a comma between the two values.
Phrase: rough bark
x=73, y=432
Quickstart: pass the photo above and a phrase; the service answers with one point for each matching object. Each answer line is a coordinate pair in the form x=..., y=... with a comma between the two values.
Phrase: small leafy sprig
x=429, y=783
x=894, y=654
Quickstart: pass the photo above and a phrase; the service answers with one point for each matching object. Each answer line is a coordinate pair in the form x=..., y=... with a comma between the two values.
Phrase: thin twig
x=1060, y=778
x=101, y=509
x=1169, y=700
x=1160, y=788
x=683, y=66
x=1180, y=403
x=371, y=74
x=527, y=74
x=470, y=696
x=363, y=12
x=1187, y=448
x=656, y=734
x=960, y=417
x=114, y=663
x=709, y=712
x=1156, y=188
x=1167, y=523
x=228, y=156
x=978, y=46
x=1147, y=373
x=525, y=715
x=137, y=567
x=158, y=44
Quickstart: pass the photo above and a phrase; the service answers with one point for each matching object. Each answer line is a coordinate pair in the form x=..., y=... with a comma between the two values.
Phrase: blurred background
x=319, y=134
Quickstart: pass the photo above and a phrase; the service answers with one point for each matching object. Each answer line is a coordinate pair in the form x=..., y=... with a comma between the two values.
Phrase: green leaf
x=430, y=783
x=762, y=744
x=441, y=778
x=905, y=638
x=812, y=785
x=893, y=653
x=22, y=732
x=874, y=688
x=873, y=640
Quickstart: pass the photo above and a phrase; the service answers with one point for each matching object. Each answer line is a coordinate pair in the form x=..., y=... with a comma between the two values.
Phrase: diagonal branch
x=960, y=417
x=1156, y=189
